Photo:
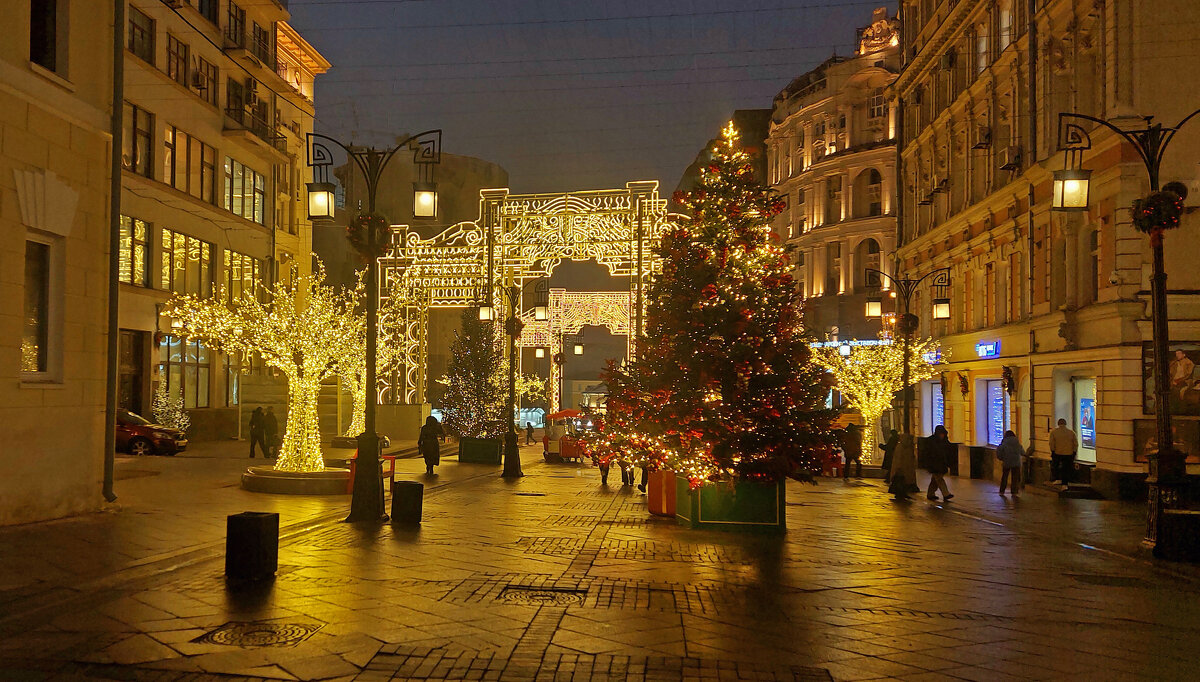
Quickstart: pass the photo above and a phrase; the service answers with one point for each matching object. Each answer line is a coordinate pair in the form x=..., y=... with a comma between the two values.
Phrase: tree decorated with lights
x=474, y=392
x=167, y=409
x=723, y=386
x=869, y=376
x=300, y=328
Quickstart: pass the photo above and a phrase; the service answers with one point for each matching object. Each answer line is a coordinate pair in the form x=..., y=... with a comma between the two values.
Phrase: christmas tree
x=723, y=386
x=167, y=409
x=474, y=394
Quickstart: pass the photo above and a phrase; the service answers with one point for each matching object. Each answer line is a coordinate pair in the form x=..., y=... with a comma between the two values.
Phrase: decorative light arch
x=517, y=238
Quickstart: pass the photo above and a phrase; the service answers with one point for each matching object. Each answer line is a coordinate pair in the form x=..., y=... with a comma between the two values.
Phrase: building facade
x=218, y=99
x=55, y=121
x=1049, y=311
x=832, y=154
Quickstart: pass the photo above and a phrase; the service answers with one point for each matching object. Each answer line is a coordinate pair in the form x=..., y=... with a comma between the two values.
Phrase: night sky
x=564, y=94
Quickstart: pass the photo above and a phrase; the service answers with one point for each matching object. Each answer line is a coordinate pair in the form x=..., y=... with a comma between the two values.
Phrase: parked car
x=139, y=436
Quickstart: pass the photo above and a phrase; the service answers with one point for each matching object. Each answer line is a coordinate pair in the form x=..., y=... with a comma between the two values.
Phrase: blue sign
x=1087, y=422
x=988, y=349
x=937, y=407
x=932, y=357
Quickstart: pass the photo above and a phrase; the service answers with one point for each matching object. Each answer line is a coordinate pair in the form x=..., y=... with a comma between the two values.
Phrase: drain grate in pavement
x=553, y=596
x=259, y=633
x=530, y=494
x=1108, y=580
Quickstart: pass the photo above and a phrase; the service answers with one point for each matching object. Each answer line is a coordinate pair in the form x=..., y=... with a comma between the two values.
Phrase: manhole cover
x=1108, y=580
x=261, y=633
x=514, y=594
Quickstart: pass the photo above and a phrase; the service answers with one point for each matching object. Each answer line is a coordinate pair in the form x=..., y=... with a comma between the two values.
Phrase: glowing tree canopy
x=870, y=375
x=722, y=387
x=301, y=328
x=350, y=365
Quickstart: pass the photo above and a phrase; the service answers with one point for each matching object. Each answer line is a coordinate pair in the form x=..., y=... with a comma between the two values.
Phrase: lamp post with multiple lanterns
x=367, y=501
x=1071, y=190
x=907, y=324
x=513, y=327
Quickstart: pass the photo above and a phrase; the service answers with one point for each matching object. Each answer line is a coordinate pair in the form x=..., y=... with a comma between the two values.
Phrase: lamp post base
x=366, y=505
x=1164, y=515
x=512, y=456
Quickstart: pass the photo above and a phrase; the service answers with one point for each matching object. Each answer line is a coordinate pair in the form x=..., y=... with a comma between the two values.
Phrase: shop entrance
x=131, y=372
x=1085, y=418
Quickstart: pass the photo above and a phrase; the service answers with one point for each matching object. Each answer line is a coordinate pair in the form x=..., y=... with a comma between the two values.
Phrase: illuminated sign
x=851, y=343
x=988, y=349
x=932, y=357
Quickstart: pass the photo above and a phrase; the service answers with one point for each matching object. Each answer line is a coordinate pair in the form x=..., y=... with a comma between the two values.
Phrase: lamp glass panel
x=540, y=313
x=485, y=313
x=579, y=349
x=539, y=353
x=874, y=308
x=320, y=200
x=941, y=309
x=425, y=203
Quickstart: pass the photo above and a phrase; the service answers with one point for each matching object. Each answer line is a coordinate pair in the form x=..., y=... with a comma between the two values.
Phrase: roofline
x=323, y=64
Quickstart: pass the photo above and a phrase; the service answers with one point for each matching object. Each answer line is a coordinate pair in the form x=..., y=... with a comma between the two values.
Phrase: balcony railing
x=256, y=125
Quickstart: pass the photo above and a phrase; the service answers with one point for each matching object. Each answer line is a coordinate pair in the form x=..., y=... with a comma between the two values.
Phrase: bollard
x=251, y=545
x=406, y=502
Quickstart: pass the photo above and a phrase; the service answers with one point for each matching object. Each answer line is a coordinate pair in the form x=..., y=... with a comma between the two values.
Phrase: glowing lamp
x=425, y=199
x=874, y=307
x=844, y=350
x=1071, y=190
x=539, y=352
x=541, y=313
x=486, y=313
x=320, y=200
x=578, y=348
x=941, y=308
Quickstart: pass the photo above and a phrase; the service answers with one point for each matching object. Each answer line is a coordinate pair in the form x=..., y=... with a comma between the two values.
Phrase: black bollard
x=251, y=545
x=406, y=502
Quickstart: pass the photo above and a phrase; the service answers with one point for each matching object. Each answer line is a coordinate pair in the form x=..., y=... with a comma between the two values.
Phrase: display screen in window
x=995, y=405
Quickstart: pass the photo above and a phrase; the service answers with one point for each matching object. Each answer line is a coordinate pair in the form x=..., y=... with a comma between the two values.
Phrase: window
x=177, y=60
x=877, y=104
x=868, y=261
x=135, y=153
x=242, y=275
x=235, y=25
x=996, y=411
x=235, y=102
x=44, y=35
x=135, y=257
x=833, y=199
x=141, y=35
x=35, y=336
x=1006, y=25
x=245, y=191
x=189, y=165
x=833, y=268
x=185, y=366
x=981, y=49
x=208, y=80
x=208, y=8
x=261, y=46
x=229, y=381
x=186, y=266
x=800, y=214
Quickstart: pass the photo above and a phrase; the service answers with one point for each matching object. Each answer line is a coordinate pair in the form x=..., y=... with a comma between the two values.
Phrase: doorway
x=131, y=370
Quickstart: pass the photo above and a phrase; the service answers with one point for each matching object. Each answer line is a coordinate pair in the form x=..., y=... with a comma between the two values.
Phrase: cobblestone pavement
x=554, y=577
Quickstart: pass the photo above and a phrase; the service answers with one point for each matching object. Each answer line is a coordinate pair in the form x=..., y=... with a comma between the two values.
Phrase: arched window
x=866, y=257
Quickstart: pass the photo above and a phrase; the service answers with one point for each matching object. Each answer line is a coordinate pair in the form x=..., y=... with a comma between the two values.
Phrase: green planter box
x=737, y=506
x=480, y=450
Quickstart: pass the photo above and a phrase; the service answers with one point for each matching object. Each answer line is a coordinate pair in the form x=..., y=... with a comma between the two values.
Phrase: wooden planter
x=660, y=493
x=480, y=450
x=738, y=506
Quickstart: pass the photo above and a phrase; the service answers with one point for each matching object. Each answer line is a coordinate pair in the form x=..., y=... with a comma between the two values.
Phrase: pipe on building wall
x=114, y=250
x=1031, y=55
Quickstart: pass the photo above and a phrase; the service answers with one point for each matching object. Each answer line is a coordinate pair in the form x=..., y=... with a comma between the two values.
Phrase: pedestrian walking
x=940, y=452
x=428, y=443
x=1009, y=453
x=852, y=448
x=889, y=451
x=904, y=469
x=257, y=433
x=1063, y=445
x=529, y=433
x=271, y=432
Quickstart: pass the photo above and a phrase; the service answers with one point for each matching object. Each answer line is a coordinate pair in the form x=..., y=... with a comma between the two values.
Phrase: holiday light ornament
x=301, y=330
x=870, y=375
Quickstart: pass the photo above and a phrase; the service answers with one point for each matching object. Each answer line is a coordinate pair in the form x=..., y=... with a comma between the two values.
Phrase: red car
x=138, y=436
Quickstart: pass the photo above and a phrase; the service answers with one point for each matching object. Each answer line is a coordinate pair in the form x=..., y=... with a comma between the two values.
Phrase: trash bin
x=251, y=545
x=406, y=502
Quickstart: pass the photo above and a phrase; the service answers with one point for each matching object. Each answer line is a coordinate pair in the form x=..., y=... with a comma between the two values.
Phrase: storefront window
x=997, y=411
x=185, y=364
x=1085, y=413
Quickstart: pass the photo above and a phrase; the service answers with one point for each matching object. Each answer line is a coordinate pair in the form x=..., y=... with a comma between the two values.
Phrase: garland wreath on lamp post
x=360, y=230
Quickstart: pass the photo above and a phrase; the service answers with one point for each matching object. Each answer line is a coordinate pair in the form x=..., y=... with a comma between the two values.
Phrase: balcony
x=239, y=121
x=255, y=50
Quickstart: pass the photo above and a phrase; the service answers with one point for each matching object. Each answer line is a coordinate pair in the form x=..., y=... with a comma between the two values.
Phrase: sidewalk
x=555, y=577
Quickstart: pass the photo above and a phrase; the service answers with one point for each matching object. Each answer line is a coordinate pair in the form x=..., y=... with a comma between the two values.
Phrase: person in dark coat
x=940, y=452
x=1010, y=453
x=271, y=432
x=529, y=433
x=256, y=433
x=428, y=443
x=852, y=447
x=889, y=451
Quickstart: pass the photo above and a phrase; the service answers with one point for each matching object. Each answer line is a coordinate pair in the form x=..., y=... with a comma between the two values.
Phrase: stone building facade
x=1050, y=311
x=832, y=154
x=55, y=108
x=218, y=99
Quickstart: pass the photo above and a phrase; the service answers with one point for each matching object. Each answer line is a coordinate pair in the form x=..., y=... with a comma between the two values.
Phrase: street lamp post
x=1071, y=189
x=366, y=504
x=906, y=325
